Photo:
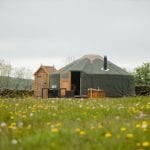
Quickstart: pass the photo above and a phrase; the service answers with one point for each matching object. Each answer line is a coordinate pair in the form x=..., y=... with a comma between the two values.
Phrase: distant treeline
x=16, y=83
x=15, y=78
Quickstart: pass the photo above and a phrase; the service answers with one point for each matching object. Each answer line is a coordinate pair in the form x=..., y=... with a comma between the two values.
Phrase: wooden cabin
x=42, y=81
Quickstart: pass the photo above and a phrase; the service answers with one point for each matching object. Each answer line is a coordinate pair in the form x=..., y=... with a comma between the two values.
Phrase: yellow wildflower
x=123, y=129
x=58, y=124
x=144, y=125
x=146, y=144
x=54, y=130
x=48, y=123
x=100, y=126
x=108, y=135
x=12, y=117
x=12, y=125
x=82, y=133
x=130, y=136
x=138, y=126
x=77, y=129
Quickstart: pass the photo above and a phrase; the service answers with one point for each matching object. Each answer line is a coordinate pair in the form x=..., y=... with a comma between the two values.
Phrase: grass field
x=75, y=124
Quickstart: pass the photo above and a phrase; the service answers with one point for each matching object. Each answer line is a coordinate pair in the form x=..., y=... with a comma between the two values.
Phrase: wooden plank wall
x=41, y=81
x=65, y=81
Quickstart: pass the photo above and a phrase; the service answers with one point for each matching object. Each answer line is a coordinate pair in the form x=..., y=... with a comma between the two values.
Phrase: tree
x=19, y=75
x=28, y=79
x=5, y=73
x=68, y=60
x=15, y=78
x=23, y=78
x=142, y=74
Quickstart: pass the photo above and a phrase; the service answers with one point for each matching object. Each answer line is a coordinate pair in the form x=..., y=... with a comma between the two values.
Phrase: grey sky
x=47, y=31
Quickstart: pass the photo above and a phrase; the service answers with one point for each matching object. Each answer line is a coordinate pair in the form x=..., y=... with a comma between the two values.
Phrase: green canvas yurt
x=94, y=71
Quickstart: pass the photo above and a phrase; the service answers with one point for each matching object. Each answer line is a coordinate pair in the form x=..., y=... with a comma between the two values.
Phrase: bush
x=15, y=93
x=142, y=90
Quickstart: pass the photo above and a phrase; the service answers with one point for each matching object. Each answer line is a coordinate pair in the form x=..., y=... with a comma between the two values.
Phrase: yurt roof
x=93, y=64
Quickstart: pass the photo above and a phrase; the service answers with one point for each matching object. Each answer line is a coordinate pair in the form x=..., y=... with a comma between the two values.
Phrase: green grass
x=75, y=124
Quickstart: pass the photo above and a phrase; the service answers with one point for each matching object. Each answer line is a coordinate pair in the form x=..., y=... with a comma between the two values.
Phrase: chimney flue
x=105, y=62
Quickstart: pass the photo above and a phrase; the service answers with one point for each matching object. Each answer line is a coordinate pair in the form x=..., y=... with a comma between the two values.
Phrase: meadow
x=75, y=124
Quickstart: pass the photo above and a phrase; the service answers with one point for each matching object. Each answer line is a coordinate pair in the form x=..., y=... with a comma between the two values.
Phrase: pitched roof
x=46, y=69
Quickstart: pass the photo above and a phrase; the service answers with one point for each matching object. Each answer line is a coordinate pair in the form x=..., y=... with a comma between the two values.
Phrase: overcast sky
x=34, y=32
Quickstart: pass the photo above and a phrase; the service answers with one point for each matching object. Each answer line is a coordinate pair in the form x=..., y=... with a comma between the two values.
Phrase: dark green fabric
x=113, y=85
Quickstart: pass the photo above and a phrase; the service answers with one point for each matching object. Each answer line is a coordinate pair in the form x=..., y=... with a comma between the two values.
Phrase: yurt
x=93, y=71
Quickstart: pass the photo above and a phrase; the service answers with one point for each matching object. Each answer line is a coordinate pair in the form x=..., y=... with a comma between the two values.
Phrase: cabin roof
x=46, y=69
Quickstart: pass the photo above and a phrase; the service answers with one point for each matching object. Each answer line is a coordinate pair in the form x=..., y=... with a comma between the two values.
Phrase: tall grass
x=75, y=124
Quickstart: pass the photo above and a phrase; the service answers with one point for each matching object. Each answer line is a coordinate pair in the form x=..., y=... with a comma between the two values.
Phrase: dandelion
x=129, y=135
x=54, y=130
x=82, y=133
x=14, y=141
x=137, y=125
x=108, y=134
x=48, y=123
x=100, y=126
x=77, y=129
x=58, y=124
x=12, y=125
x=12, y=117
x=123, y=129
x=146, y=144
x=144, y=125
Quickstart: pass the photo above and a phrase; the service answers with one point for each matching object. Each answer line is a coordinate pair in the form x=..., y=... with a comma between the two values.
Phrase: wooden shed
x=42, y=81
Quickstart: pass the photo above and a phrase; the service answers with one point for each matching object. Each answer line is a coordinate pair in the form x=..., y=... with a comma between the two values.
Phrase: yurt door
x=75, y=82
x=65, y=82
